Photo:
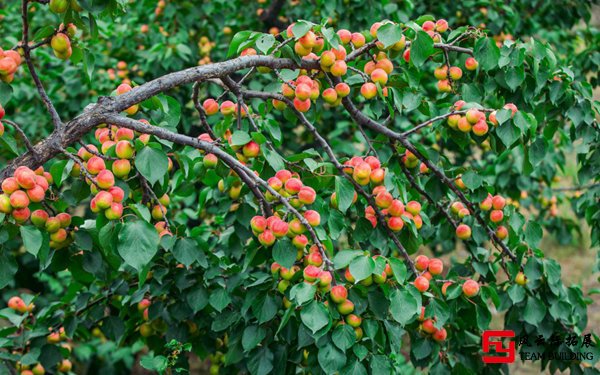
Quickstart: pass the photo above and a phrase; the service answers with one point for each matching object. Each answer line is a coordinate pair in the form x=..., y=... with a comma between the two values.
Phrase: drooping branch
x=229, y=160
x=438, y=118
x=358, y=116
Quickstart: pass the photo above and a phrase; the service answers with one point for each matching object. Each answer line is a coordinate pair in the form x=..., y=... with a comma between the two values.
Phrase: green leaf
x=32, y=239
x=252, y=336
x=8, y=269
x=508, y=133
x=421, y=48
x=284, y=253
x=219, y=299
x=486, y=53
x=89, y=62
x=399, y=269
x=344, y=192
x=514, y=77
x=534, y=312
x=331, y=358
x=343, y=336
x=238, y=38
x=315, y=316
x=240, y=138
x=197, y=298
x=138, y=243
x=265, y=42
x=389, y=34
x=187, y=251
x=344, y=257
x=472, y=180
x=152, y=164
x=303, y=293
x=300, y=28
x=403, y=306
x=158, y=363
x=6, y=91
x=533, y=234
x=362, y=267
x=274, y=159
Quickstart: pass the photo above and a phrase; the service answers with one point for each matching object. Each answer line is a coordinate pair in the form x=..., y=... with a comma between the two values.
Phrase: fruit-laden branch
x=56, y=121
x=438, y=118
x=436, y=204
x=323, y=143
x=79, y=126
x=229, y=160
x=361, y=118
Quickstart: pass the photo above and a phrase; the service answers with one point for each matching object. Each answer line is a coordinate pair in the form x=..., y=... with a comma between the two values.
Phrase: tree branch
x=22, y=134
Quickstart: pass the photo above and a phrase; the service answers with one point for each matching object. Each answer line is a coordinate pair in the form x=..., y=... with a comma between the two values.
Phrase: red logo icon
x=498, y=347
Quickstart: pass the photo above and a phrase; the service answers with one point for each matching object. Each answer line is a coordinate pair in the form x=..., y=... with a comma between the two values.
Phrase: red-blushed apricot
x=441, y=26
x=120, y=169
x=124, y=134
x=117, y=193
x=258, y=224
x=279, y=227
x=441, y=72
x=65, y=366
x=444, y=86
x=421, y=283
x=358, y=40
x=496, y=216
x=302, y=91
x=338, y=294
x=266, y=238
x=327, y=59
x=21, y=215
x=374, y=28
x=368, y=90
x=158, y=212
x=370, y=67
x=377, y=176
x=25, y=177
x=19, y=199
x=395, y=223
x=345, y=36
x=251, y=149
x=330, y=95
x=325, y=279
x=105, y=179
x=511, y=107
x=302, y=105
x=396, y=208
x=386, y=65
x=470, y=288
x=227, y=108
x=459, y=183
x=428, y=326
x=471, y=63
x=52, y=224
x=379, y=76
x=384, y=199
x=10, y=185
x=440, y=335
x=345, y=307
x=348, y=276
x=480, y=128
x=39, y=218
x=421, y=262
x=64, y=219
x=353, y=320
x=103, y=200
x=428, y=26
x=498, y=202
x=311, y=273
x=435, y=267
x=342, y=89
x=413, y=207
x=314, y=258
x=36, y=194
x=59, y=236
x=124, y=150
x=502, y=232
x=339, y=68
x=340, y=53
x=293, y=185
x=463, y=231
x=455, y=73
x=114, y=212
x=96, y=164
x=486, y=204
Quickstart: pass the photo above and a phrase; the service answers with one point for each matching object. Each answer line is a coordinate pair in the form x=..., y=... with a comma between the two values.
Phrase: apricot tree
x=281, y=232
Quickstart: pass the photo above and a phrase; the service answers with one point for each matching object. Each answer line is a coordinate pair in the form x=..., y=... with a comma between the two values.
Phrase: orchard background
x=293, y=187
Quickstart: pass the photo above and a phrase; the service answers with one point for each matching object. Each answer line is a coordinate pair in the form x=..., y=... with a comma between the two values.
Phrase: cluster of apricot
x=160, y=7
x=339, y=295
x=145, y=328
x=9, y=63
x=227, y=108
x=61, y=42
x=122, y=73
x=21, y=189
x=303, y=91
x=204, y=47
x=428, y=268
x=17, y=304
x=475, y=120
x=495, y=204
x=443, y=73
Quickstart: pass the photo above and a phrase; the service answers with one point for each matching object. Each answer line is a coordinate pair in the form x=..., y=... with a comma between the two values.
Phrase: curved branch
x=200, y=110
x=22, y=134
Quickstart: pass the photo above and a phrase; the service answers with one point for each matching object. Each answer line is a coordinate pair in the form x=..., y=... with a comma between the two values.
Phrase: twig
x=437, y=118
x=96, y=153
x=38, y=84
x=22, y=134
x=81, y=166
x=148, y=189
x=201, y=113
